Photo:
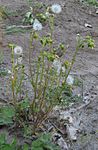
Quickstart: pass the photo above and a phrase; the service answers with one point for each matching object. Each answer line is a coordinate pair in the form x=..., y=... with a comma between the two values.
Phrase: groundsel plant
x=48, y=74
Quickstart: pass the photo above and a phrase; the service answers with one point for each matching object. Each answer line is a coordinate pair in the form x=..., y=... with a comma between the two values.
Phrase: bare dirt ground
x=69, y=23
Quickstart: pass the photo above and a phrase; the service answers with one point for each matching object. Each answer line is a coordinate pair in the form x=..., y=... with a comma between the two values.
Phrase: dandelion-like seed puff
x=56, y=8
x=70, y=80
x=18, y=50
x=57, y=65
x=37, y=26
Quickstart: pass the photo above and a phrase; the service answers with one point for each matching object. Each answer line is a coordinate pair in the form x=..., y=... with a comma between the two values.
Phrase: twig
x=19, y=26
x=3, y=100
x=57, y=128
x=81, y=107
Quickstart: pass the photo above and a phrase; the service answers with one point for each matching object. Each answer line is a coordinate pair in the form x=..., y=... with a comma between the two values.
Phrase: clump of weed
x=48, y=75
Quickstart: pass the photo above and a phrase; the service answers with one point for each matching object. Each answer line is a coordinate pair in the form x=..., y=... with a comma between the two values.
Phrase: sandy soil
x=68, y=24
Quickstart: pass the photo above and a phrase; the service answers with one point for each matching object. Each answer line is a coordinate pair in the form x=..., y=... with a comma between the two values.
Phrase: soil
x=68, y=24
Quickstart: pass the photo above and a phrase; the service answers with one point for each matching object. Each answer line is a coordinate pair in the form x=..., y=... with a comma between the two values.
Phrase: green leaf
x=43, y=42
x=2, y=139
x=24, y=104
x=3, y=72
x=4, y=145
x=7, y=147
x=28, y=14
x=13, y=143
x=11, y=45
x=36, y=144
x=6, y=115
x=44, y=142
x=25, y=147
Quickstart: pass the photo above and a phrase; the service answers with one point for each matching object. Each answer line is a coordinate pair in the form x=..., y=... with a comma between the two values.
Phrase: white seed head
x=18, y=61
x=70, y=80
x=18, y=50
x=56, y=8
x=37, y=26
x=57, y=65
x=63, y=69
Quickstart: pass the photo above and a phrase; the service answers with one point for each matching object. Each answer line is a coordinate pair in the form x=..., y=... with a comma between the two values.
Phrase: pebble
x=92, y=132
x=60, y=141
x=96, y=11
x=72, y=131
x=88, y=25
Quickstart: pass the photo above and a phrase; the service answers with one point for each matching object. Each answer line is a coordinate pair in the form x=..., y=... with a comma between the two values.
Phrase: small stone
x=96, y=11
x=97, y=87
x=88, y=25
x=90, y=12
x=56, y=136
x=92, y=96
x=70, y=119
x=86, y=98
x=94, y=93
x=92, y=132
x=63, y=145
x=66, y=116
x=86, y=94
x=87, y=101
x=72, y=131
x=58, y=139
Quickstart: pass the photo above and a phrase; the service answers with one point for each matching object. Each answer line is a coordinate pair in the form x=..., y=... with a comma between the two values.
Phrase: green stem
x=51, y=23
x=19, y=87
x=41, y=79
x=30, y=64
x=13, y=80
x=72, y=63
x=36, y=81
x=42, y=72
x=35, y=86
